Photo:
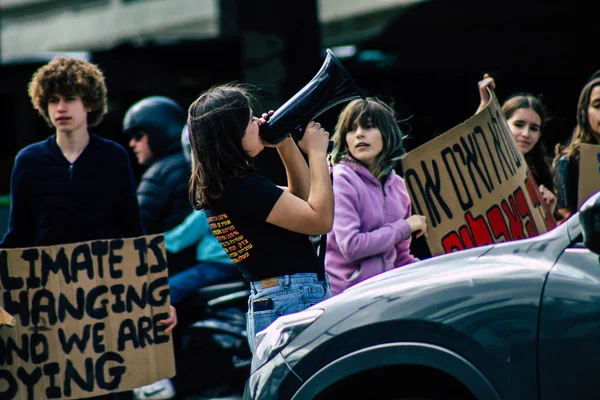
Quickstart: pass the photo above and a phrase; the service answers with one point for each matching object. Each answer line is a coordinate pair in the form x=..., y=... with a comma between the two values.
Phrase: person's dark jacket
x=56, y=202
x=164, y=203
x=566, y=182
x=163, y=193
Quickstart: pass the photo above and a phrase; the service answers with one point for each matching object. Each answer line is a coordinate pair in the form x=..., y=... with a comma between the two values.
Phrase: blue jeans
x=292, y=294
x=198, y=276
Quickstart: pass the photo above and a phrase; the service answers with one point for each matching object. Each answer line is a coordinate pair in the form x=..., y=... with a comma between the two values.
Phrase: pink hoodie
x=370, y=234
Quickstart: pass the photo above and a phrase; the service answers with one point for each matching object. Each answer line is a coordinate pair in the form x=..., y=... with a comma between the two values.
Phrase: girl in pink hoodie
x=373, y=223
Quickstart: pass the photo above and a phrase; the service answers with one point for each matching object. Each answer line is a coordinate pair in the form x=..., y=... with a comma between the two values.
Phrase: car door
x=569, y=329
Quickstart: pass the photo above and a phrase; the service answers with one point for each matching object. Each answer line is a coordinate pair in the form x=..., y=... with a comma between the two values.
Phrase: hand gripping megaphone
x=331, y=86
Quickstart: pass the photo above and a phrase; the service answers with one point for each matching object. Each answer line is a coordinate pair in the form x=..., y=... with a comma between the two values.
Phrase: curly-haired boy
x=74, y=186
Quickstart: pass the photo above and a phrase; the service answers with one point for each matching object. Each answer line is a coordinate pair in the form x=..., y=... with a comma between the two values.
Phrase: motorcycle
x=211, y=353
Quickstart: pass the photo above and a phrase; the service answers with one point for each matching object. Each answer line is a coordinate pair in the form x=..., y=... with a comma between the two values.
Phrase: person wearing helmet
x=153, y=125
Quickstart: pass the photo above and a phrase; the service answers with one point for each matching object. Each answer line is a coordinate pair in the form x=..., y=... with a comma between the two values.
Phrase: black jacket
x=566, y=182
x=55, y=202
x=164, y=203
x=163, y=194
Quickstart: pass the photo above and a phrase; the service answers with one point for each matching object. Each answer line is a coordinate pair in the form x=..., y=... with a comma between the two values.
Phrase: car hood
x=545, y=248
x=462, y=291
x=482, y=304
x=447, y=261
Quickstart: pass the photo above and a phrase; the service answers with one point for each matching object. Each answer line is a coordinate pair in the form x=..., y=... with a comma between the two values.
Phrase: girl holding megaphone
x=263, y=228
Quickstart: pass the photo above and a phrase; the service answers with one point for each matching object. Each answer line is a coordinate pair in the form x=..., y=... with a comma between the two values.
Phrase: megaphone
x=331, y=86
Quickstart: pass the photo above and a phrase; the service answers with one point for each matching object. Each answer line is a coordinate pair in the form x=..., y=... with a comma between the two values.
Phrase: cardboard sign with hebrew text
x=474, y=187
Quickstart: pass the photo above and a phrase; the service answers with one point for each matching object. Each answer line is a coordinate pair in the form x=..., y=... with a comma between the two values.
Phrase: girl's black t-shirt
x=260, y=249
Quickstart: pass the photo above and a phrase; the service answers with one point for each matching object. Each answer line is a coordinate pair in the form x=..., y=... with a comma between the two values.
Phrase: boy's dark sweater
x=56, y=202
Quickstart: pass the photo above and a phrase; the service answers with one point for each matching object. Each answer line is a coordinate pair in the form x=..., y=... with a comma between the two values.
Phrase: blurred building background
x=424, y=56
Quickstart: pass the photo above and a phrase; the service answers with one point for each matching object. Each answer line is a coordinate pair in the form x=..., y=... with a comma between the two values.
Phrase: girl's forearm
x=321, y=190
x=296, y=169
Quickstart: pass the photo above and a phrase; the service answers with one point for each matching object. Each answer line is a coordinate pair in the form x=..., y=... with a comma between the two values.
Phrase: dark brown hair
x=69, y=76
x=536, y=157
x=583, y=132
x=364, y=113
x=217, y=122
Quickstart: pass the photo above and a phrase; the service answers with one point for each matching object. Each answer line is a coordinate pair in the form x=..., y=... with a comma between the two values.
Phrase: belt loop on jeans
x=286, y=281
x=321, y=275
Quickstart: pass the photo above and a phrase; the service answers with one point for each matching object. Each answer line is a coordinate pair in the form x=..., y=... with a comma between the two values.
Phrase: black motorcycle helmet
x=161, y=118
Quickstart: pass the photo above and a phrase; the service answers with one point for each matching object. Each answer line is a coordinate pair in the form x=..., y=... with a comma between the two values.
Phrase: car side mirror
x=589, y=218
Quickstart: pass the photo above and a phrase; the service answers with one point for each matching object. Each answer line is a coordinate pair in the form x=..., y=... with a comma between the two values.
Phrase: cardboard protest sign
x=474, y=187
x=589, y=172
x=85, y=318
x=6, y=318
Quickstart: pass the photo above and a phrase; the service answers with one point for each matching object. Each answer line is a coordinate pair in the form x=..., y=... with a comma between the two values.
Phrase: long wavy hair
x=536, y=157
x=365, y=113
x=217, y=122
x=583, y=132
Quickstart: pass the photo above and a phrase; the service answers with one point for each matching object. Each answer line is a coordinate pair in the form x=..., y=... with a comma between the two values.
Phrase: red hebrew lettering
x=498, y=224
x=451, y=242
x=524, y=211
x=479, y=229
x=466, y=237
x=514, y=218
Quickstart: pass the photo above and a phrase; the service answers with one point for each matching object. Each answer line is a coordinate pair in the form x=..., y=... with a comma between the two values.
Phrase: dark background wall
x=427, y=62
x=439, y=50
